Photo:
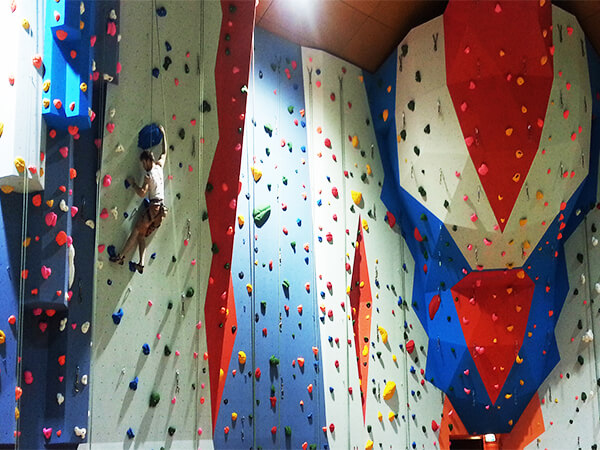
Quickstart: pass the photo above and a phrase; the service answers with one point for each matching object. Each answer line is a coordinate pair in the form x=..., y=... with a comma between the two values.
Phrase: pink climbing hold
x=28, y=377
x=74, y=210
x=334, y=192
x=64, y=151
x=107, y=180
x=327, y=142
x=483, y=169
x=51, y=219
x=47, y=432
x=46, y=272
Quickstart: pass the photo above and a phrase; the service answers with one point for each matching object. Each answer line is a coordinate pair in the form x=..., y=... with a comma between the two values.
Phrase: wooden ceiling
x=365, y=32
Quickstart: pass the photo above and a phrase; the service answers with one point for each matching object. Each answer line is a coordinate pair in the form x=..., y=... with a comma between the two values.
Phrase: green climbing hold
x=154, y=399
x=450, y=426
x=293, y=244
x=244, y=89
x=209, y=187
x=190, y=292
x=285, y=284
x=232, y=8
x=268, y=151
x=214, y=249
x=274, y=360
x=288, y=430
x=424, y=217
x=269, y=129
x=312, y=446
x=261, y=215
x=284, y=180
x=291, y=109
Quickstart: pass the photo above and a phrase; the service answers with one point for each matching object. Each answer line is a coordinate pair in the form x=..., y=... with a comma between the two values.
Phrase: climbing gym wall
x=476, y=240
x=374, y=348
x=157, y=342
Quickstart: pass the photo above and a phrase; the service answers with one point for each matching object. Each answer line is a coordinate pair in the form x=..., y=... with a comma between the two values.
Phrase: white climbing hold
x=582, y=278
x=90, y=223
x=594, y=241
x=115, y=213
x=60, y=398
x=111, y=112
x=63, y=206
x=81, y=432
x=119, y=149
x=588, y=336
x=100, y=265
x=85, y=326
x=71, y=265
x=597, y=288
x=84, y=380
x=63, y=324
x=81, y=8
x=112, y=15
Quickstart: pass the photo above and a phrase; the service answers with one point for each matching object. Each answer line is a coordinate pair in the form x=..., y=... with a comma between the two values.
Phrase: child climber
x=155, y=210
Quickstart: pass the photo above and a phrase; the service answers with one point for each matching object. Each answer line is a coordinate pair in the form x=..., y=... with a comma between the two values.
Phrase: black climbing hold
x=209, y=187
x=580, y=324
x=232, y=8
x=190, y=292
x=446, y=204
x=186, y=68
x=167, y=63
x=205, y=107
x=427, y=129
x=411, y=105
x=580, y=258
x=418, y=76
x=403, y=135
x=171, y=431
x=594, y=229
x=404, y=49
x=182, y=133
x=173, y=258
x=170, y=305
x=422, y=191
x=580, y=360
x=204, y=215
x=233, y=329
x=167, y=350
x=417, y=150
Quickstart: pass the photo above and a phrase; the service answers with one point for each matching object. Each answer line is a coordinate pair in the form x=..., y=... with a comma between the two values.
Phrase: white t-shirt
x=156, y=185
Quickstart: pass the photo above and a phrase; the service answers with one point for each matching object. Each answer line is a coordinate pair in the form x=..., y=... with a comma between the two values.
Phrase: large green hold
x=288, y=431
x=154, y=399
x=261, y=215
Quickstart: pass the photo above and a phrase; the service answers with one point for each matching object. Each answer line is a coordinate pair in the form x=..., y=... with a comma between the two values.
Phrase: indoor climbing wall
x=21, y=135
x=273, y=395
x=374, y=347
x=150, y=334
x=464, y=207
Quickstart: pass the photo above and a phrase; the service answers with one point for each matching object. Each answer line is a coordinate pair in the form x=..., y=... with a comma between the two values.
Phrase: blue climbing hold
x=150, y=135
x=155, y=72
x=146, y=349
x=133, y=384
x=168, y=46
x=112, y=251
x=116, y=317
x=303, y=148
x=130, y=433
x=132, y=266
x=126, y=183
x=161, y=12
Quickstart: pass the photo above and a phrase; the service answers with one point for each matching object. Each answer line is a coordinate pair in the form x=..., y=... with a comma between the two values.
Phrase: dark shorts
x=152, y=217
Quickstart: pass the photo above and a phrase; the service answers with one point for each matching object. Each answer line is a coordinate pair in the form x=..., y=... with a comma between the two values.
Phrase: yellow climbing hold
x=389, y=390
x=369, y=170
x=510, y=328
x=356, y=197
x=83, y=87
x=543, y=60
x=46, y=86
x=391, y=416
x=509, y=131
x=521, y=382
x=516, y=177
x=241, y=221
x=233, y=416
x=520, y=81
x=355, y=141
x=526, y=245
x=369, y=445
x=46, y=103
x=383, y=333
x=523, y=221
x=365, y=224
x=25, y=24
x=256, y=173
x=394, y=358
x=519, y=359
x=2, y=337
x=1, y=128
x=539, y=195
x=507, y=396
x=241, y=357
x=26, y=242
x=20, y=164
x=379, y=416
x=221, y=373
x=510, y=422
x=523, y=109
x=17, y=413
x=7, y=189
x=365, y=351
x=249, y=288
x=385, y=115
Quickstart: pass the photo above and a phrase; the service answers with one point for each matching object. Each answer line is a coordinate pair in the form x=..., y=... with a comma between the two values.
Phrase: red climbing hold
x=434, y=305
x=410, y=346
